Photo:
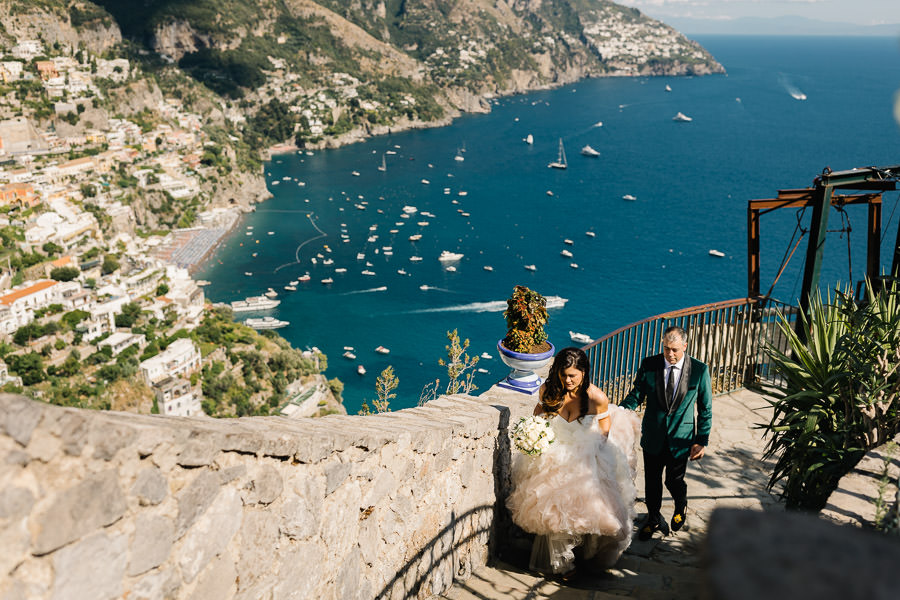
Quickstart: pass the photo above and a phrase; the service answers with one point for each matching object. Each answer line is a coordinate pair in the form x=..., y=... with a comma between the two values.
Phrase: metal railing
x=730, y=337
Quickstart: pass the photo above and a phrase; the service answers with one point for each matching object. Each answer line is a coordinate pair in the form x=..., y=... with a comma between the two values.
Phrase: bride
x=580, y=491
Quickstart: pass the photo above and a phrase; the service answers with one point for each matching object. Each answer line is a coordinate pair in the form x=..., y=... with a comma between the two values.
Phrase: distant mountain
x=790, y=25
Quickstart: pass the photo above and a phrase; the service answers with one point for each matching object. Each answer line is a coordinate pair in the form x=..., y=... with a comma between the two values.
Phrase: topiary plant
x=526, y=315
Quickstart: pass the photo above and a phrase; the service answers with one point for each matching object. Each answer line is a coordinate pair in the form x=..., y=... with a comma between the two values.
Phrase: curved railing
x=729, y=336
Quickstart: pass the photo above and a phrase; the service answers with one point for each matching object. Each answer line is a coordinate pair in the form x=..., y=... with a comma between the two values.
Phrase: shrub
x=526, y=315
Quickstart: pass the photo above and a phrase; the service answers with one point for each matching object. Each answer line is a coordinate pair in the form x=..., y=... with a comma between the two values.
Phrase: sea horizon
x=773, y=122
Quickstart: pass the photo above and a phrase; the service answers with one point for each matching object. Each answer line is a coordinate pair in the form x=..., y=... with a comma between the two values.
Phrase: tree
x=64, y=273
x=50, y=248
x=30, y=367
x=129, y=315
x=384, y=387
x=162, y=289
x=110, y=264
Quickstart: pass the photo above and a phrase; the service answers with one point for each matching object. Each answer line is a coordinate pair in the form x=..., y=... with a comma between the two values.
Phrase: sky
x=859, y=12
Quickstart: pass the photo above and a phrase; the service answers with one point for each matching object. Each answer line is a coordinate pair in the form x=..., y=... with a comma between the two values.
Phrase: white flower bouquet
x=532, y=435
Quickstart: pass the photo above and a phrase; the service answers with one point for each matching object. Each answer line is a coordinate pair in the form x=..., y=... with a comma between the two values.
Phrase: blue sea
x=787, y=108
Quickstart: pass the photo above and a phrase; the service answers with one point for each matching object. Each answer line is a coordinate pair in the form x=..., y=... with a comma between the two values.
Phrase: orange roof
x=8, y=299
x=62, y=261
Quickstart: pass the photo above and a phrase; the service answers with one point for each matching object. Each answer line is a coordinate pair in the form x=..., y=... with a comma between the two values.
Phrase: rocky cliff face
x=97, y=35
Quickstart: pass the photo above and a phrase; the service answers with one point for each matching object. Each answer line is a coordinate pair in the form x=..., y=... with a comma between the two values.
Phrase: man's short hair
x=673, y=331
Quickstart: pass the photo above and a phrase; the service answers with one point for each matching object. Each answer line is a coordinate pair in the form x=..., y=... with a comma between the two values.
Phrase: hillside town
x=76, y=270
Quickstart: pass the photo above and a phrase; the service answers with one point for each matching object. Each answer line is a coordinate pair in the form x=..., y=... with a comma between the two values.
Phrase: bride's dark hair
x=554, y=392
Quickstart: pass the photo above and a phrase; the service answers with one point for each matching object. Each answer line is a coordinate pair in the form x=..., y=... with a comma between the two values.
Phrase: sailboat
x=561, y=159
x=383, y=166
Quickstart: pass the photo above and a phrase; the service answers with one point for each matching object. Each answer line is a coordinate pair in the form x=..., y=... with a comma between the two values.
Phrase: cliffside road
x=731, y=475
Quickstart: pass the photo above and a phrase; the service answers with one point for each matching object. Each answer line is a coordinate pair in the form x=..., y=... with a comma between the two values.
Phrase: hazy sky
x=861, y=12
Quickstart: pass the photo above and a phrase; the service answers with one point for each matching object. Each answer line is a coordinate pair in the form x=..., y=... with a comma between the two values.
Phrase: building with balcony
x=180, y=358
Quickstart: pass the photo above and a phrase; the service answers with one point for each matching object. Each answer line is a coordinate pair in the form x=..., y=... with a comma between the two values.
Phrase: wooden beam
x=806, y=199
x=752, y=253
x=873, y=242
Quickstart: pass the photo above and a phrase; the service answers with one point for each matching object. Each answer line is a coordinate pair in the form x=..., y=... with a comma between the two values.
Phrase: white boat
x=266, y=323
x=459, y=158
x=295, y=282
x=573, y=265
x=629, y=197
x=248, y=273
x=531, y=267
x=581, y=338
x=416, y=237
x=349, y=355
x=360, y=256
x=447, y=256
x=568, y=241
x=716, y=253
x=401, y=272
x=462, y=193
x=361, y=370
x=566, y=253
x=383, y=166
x=354, y=173
x=327, y=280
x=451, y=269
x=369, y=273
x=488, y=268
x=589, y=233
x=340, y=270
x=328, y=261
x=304, y=277
x=555, y=301
x=668, y=88
x=291, y=288
x=529, y=139
x=560, y=162
x=423, y=223
x=588, y=151
x=252, y=303
x=415, y=258
x=382, y=350
x=482, y=370
x=410, y=210
x=486, y=356
x=425, y=181
x=682, y=117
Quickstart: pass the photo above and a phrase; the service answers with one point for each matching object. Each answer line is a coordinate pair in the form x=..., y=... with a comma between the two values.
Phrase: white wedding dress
x=580, y=491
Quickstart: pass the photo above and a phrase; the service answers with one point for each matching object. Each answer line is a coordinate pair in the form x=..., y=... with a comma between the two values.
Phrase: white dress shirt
x=678, y=370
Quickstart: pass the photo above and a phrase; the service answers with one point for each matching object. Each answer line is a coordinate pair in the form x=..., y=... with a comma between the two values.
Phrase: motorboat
x=383, y=166
x=531, y=267
x=252, y=303
x=668, y=88
x=354, y=173
x=682, y=117
x=410, y=210
x=402, y=272
x=304, y=277
x=361, y=370
x=482, y=370
x=560, y=162
x=415, y=258
x=566, y=253
x=368, y=272
x=294, y=282
x=291, y=288
x=590, y=233
x=629, y=197
x=488, y=268
x=349, y=355
x=415, y=237
x=573, y=265
x=555, y=301
x=424, y=287
x=451, y=269
x=447, y=256
x=328, y=280
x=382, y=350
x=581, y=338
x=425, y=181
x=588, y=151
x=568, y=241
x=529, y=139
x=486, y=356
x=716, y=253
x=266, y=323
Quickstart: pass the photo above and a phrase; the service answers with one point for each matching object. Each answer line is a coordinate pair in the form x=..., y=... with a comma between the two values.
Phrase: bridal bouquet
x=532, y=435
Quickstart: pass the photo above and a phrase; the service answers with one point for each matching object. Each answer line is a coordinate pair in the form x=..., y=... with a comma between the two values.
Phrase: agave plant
x=842, y=393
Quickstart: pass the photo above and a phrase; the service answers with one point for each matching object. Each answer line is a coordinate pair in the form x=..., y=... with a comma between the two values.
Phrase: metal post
x=815, y=248
x=752, y=253
x=873, y=243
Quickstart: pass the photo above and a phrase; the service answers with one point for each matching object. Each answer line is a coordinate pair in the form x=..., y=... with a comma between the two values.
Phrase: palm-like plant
x=841, y=395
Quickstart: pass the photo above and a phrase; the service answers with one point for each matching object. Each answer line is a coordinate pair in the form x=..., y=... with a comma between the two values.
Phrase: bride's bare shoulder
x=597, y=399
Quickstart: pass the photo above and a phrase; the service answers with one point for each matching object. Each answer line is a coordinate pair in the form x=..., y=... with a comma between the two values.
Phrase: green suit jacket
x=684, y=421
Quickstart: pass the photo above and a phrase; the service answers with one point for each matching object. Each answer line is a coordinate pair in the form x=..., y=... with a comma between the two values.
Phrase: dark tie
x=670, y=387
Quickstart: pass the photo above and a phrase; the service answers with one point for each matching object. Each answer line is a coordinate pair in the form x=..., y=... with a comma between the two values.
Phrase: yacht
x=590, y=233
x=304, y=277
x=581, y=338
x=568, y=241
x=560, y=162
x=716, y=253
x=361, y=370
x=573, y=265
x=447, y=256
x=588, y=151
x=340, y=270
x=294, y=282
x=682, y=117
x=486, y=356
x=410, y=210
x=488, y=268
x=416, y=237
x=266, y=323
x=629, y=197
x=556, y=301
x=291, y=288
x=566, y=253
x=415, y=258
x=349, y=355
x=531, y=267
x=252, y=303
x=368, y=272
x=327, y=280
x=529, y=139
x=382, y=350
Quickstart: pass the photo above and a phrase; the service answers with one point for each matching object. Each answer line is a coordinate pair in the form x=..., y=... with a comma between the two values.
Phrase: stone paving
x=732, y=474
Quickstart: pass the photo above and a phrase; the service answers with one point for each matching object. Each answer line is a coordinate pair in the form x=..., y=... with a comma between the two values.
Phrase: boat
x=682, y=117
x=340, y=270
x=566, y=253
x=568, y=241
x=573, y=265
x=459, y=158
x=423, y=287
x=462, y=193
x=295, y=282
x=486, y=356
x=531, y=267
x=354, y=173
x=555, y=301
x=361, y=370
x=488, y=268
x=368, y=272
x=410, y=210
x=349, y=348
x=291, y=288
x=383, y=166
x=451, y=269
x=447, y=256
x=423, y=223
x=560, y=162
x=360, y=256
x=248, y=273
x=668, y=88
x=349, y=355
x=266, y=323
x=588, y=151
x=252, y=303
x=425, y=181
x=581, y=338
x=304, y=277
x=416, y=237
x=415, y=258
x=528, y=139
x=589, y=233
x=401, y=272
x=382, y=350
x=482, y=370
x=629, y=197
x=327, y=280
x=716, y=253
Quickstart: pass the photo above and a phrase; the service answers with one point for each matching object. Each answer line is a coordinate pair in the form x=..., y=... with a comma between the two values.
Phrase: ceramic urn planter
x=523, y=378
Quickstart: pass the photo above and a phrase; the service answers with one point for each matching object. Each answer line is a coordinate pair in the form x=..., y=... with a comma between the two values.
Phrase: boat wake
x=382, y=288
x=495, y=306
x=297, y=251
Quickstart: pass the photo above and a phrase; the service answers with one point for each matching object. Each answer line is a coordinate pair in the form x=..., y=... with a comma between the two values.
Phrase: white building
x=123, y=339
x=17, y=307
x=176, y=398
x=180, y=358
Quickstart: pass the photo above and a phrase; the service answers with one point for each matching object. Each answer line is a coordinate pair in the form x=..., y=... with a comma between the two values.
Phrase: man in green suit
x=675, y=429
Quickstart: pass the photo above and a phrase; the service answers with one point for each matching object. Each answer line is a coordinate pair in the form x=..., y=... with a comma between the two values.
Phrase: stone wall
x=97, y=505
